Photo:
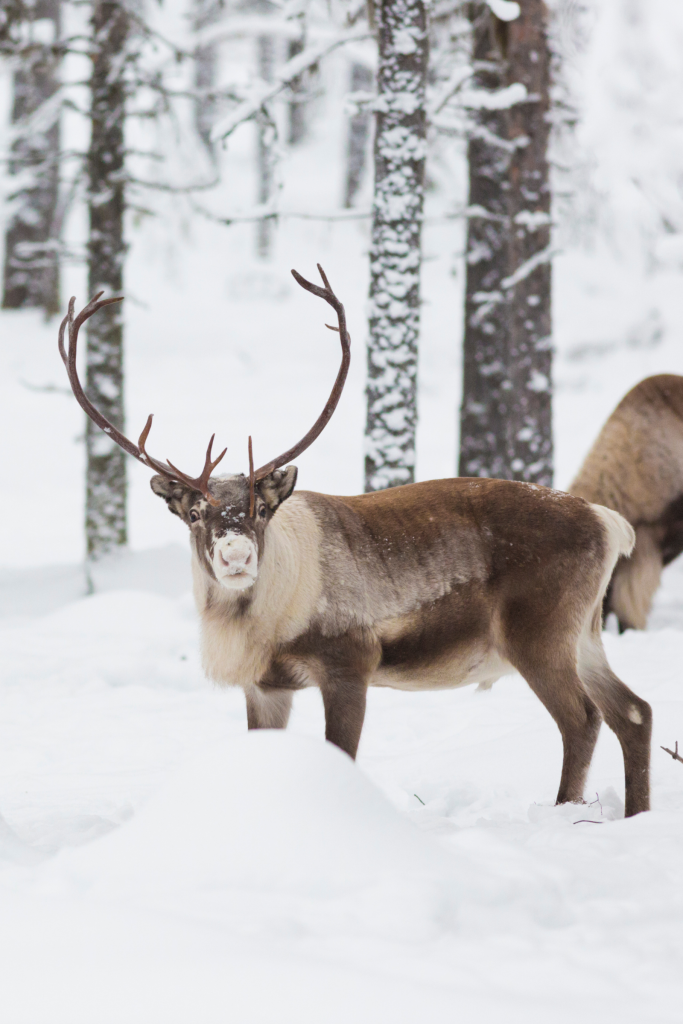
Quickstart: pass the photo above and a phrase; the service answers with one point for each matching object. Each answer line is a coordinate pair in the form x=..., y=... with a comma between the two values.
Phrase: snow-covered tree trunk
x=265, y=147
x=395, y=254
x=31, y=271
x=106, y=469
x=357, y=140
x=505, y=423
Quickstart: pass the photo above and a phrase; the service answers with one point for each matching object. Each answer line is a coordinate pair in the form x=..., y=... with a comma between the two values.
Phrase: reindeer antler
x=167, y=469
x=328, y=295
x=138, y=451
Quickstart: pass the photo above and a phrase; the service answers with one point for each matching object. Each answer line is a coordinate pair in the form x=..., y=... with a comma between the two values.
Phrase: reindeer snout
x=236, y=559
x=234, y=556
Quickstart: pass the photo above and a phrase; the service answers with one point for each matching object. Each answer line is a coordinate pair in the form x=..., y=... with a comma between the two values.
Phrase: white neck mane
x=238, y=642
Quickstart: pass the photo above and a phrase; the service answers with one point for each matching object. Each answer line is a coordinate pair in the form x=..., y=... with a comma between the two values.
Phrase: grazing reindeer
x=636, y=468
x=427, y=586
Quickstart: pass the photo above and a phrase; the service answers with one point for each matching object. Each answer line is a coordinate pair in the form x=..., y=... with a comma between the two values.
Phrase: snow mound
x=278, y=827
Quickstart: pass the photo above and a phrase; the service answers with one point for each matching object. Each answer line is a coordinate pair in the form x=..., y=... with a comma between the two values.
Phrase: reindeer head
x=227, y=538
x=227, y=516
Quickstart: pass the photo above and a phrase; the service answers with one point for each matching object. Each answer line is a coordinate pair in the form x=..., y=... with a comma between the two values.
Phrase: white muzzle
x=235, y=561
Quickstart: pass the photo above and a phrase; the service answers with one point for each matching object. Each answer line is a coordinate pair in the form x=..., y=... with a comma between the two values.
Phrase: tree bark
x=357, y=141
x=31, y=271
x=206, y=12
x=296, y=129
x=505, y=422
x=395, y=254
x=265, y=143
x=106, y=469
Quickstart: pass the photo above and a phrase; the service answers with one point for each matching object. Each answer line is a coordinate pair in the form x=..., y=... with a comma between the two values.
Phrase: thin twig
x=268, y=214
x=291, y=71
x=674, y=753
x=51, y=389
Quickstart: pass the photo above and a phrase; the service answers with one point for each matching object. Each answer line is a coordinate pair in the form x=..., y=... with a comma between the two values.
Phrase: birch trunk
x=31, y=271
x=106, y=469
x=357, y=141
x=395, y=254
x=506, y=428
x=265, y=144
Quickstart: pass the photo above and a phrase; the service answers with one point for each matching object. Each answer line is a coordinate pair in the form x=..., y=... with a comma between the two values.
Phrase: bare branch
x=674, y=753
x=259, y=213
x=265, y=92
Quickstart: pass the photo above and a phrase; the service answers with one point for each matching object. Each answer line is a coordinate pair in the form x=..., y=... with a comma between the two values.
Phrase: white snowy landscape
x=160, y=865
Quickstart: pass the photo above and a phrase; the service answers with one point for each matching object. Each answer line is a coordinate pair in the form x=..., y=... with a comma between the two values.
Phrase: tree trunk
x=106, y=469
x=505, y=422
x=265, y=148
x=395, y=254
x=357, y=142
x=297, y=104
x=206, y=12
x=31, y=272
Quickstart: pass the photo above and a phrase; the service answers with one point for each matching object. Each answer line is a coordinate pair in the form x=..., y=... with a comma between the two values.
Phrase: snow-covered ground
x=158, y=864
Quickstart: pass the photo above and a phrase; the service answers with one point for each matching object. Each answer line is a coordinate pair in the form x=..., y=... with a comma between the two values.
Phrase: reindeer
x=636, y=468
x=426, y=586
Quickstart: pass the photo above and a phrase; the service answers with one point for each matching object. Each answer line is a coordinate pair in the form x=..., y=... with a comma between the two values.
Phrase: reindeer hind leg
x=550, y=671
x=627, y=715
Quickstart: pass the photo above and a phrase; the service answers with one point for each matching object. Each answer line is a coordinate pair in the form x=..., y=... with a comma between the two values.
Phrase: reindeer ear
x=278, y=486
x=172, y=491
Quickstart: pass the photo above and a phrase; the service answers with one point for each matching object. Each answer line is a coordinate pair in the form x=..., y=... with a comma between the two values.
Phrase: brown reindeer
x=636, y=468
x=426, y=586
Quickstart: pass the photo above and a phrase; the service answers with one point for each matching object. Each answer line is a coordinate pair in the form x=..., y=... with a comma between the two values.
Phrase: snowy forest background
x=108, y=730
x=204, y=298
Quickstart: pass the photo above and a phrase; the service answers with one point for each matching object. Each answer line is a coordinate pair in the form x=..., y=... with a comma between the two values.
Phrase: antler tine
x=62, y=327
x=144, y=457
x=252, y=481
x=328, y=295
x=200, y=483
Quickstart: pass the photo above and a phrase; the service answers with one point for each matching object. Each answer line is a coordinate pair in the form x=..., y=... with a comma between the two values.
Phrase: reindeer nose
x=232, y=557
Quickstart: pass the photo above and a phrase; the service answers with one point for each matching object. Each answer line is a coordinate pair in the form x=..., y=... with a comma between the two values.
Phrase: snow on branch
x=247, y=25
x=486, y=301
x=264, y=92
x=528, y=267
x=505, y=10
x=40, y=120
x=502, y=99
x=449, y=89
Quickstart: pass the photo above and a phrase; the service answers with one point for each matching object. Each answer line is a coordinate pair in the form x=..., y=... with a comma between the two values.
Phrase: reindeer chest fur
x=240, y=634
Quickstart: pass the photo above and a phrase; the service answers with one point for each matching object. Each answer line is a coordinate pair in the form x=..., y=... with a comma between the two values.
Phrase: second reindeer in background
x=636, y=468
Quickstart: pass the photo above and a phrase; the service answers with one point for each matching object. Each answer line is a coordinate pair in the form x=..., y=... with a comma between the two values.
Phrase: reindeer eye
x=194, y=516
x=262, y=511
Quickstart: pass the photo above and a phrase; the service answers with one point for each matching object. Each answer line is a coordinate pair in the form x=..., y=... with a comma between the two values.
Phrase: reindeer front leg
x=344, y=702
x=347, y=664
x=268, y=708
